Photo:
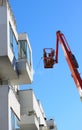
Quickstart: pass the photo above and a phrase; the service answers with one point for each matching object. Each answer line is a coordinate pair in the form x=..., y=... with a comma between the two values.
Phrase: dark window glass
x=13, y=42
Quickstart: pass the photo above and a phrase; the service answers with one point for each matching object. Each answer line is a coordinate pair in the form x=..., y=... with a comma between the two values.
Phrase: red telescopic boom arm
x=49, y=61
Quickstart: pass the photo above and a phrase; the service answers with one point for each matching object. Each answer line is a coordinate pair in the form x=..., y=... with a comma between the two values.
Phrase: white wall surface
x=28, y=103
x=14, y=104
x=7, y=100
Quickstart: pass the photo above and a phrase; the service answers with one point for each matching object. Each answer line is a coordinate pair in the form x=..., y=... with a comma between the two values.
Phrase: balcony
x=29, y=122
x=24, y=73
x=31, y=114
x=44, y=128
x=24, y=62
x=16, y=71
x=51, y=124
x=15, y=50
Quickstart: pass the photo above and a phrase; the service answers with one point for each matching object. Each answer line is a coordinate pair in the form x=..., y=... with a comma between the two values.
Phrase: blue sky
x=55, y=87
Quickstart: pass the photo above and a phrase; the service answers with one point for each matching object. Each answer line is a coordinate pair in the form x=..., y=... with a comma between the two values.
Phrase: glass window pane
x=15, y=48
x=13, y=120
x=24, y=51
x=28, y=55
x=13, y=42
x=11, y=37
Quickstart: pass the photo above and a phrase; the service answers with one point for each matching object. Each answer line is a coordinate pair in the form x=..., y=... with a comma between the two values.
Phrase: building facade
x=19, y=110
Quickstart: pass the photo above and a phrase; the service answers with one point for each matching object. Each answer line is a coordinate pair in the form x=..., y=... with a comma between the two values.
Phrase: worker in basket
x=49, y=59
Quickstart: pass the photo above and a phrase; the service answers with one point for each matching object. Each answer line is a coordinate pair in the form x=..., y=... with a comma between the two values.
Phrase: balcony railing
x=11, y=14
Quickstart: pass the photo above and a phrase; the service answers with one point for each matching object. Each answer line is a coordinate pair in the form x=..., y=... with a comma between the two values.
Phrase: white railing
x=11, y=13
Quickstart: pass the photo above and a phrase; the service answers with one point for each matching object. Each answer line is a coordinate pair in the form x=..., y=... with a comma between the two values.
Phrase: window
x=11, y=37
x=28, y=55
x=24, y=51
x=15, y=47
x=13, y=42
x=13, y=120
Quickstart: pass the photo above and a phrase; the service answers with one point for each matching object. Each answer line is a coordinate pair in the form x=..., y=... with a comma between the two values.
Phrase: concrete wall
x=4, y=121
x=13, y=103
x=3, y=30
x=7, y=100
x=26, y=103
x=38, y=110
x=6, y=18
x=10, y=21
x=29, y=103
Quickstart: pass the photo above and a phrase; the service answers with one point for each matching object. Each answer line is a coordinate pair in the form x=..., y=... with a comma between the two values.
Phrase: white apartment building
x=19, y=110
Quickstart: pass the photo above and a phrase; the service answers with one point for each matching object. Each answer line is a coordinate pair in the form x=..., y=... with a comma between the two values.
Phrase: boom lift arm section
x=51, y=57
